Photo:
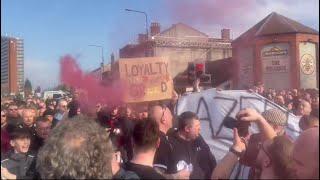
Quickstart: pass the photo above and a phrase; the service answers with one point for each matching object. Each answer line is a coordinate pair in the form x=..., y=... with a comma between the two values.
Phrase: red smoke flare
x=93, y=91
x=209, y=12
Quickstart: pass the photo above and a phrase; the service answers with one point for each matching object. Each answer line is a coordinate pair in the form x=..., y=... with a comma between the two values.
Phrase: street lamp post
x=131, y=10
x=102, y=58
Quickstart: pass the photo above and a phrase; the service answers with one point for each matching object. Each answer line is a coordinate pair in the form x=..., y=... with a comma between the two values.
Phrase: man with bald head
x=305, y=155
x=162, y=115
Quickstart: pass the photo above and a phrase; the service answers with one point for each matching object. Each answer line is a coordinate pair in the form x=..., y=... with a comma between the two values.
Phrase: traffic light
x=197, y=70
x=200, y=69
x=191, y=73
x=205, y=79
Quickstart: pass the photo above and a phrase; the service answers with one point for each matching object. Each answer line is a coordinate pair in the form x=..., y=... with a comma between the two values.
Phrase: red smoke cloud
x=208, y=12
x=94, y=92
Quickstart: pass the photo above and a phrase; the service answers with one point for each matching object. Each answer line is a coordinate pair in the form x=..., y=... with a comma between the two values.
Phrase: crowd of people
x=58, y=139
x=298, y=101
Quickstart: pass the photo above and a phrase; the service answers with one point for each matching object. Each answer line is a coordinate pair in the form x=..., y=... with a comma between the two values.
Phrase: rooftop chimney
x=154, y=28
x=225, y=34
x=142, y=38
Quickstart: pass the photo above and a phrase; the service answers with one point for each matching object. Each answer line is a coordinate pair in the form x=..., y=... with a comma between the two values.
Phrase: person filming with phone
x=268, y=152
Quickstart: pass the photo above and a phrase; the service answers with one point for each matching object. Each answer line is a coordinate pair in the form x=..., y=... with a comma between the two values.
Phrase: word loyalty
x=146, y=69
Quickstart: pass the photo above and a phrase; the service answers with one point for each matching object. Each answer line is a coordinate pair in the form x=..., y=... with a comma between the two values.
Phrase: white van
x=53, y=94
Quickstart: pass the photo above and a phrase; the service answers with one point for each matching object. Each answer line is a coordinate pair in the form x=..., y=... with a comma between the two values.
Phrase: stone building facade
x=181, y=44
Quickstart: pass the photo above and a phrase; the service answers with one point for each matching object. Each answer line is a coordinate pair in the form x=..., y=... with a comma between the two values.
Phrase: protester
x=77, y=149
x=42, y=108
x=308, y=121
x=224, y=168
x=277, y=120
x=315, y=112
x=5, y=141
x=29, y=120
x=305, y=155
x=162, y=115
x=13, y=111
x=315, y=102
x=17, y=162
x=280, y=100
x=125, y=124
x=3, y=118
x=13, y=116
x=74, y=108
x=48, y=113
x=304, y=108
x=174, y=144
x=43, y=129
x=60, y=112
x=146, y=140
x=305, y=160
x=184, y=152
x=273, y=160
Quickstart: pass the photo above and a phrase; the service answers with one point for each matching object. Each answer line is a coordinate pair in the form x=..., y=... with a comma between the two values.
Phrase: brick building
x=181, y=44
x=279, y=52
x=12, y=65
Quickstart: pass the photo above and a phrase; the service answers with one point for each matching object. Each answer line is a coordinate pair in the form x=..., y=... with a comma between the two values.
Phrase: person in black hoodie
x=74, y=108
x=16, y=164
x=186, y=153
x=145, y=142
x=43, y=129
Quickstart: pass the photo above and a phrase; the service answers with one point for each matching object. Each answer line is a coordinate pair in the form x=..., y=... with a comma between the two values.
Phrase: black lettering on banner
x=208, y=118
x=275, y=62
x=164, y=87
x=151, y=69
x=136, y=72
x=126, y=69
x=146, y=69
x=242, y=98
x=166, y=66
x=234, y=105
x=201, y=100
x=159, y=66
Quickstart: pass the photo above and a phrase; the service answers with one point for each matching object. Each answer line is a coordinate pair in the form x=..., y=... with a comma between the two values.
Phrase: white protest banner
x=213, y=106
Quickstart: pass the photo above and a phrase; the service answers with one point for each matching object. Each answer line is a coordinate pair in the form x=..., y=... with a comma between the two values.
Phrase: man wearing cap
x=277, y=119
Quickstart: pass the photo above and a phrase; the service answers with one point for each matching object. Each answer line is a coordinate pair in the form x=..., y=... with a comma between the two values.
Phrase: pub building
x=279, y=52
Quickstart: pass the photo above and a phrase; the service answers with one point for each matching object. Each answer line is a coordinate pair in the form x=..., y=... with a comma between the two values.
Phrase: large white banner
x=213, y=106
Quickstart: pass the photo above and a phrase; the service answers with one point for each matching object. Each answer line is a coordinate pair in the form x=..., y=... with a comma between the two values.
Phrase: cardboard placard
x=146, y=79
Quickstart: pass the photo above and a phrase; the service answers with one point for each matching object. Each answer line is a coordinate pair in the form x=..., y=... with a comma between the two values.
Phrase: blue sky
x=53, y=28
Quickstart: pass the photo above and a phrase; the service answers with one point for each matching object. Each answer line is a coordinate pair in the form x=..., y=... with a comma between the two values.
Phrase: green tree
x=27, y=88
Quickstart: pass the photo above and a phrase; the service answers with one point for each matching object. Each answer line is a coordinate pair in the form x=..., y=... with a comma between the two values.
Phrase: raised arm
x=224, y=168
x=252, y=115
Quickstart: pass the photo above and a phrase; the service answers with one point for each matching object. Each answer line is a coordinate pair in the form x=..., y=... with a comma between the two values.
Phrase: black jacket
x=184, y=152
x=206, y=159
x=19, y=164
x=36, y=143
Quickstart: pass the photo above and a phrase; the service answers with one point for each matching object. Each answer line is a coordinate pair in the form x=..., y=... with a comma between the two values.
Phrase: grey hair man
x=78, y=149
